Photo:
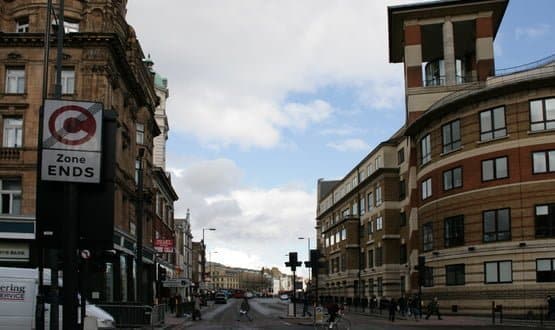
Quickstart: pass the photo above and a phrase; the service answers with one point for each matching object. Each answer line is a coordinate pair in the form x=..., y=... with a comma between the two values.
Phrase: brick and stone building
x=464, y=187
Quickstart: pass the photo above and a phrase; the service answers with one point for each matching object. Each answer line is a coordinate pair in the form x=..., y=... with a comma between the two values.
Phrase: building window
x=137, y=169
x=428, y=278
x=545, y=220
x=68, y=81
x=362, y=206
x=402, y=190
x=354, y=208
x=451, y=136
x=379, y=162
x=140, y=133
x=69, y=25
x=493, y=169
x=400, y=156
x=544, y=161
x=13, y=132
x=454, y=231
x=379, y=223
x=545, y=270
x=427, y=237
x=370, y=258
x=498, y=272
x=542, y=114
x=370, y=199
x=380, y=287
x=345, y=213
x=343, y=234
x=370, y=228
x=403, y=254
x=15, y=80
x=454, y=274
x=22, y=24
x=497, y=225
x=402, y=219
x=426, y=186
x=378, y=195
x=379, y=256
x=452, y=178
x=11, y=196
x=492, y=124
x=425, y=150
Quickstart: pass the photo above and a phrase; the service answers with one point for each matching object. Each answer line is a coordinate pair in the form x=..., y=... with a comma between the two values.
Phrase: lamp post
x=204, y=254
x=307, y=257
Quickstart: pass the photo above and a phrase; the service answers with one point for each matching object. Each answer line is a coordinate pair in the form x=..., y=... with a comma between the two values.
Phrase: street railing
x=135, y=315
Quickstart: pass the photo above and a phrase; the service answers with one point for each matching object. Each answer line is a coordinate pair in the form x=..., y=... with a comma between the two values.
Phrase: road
x=268, y=313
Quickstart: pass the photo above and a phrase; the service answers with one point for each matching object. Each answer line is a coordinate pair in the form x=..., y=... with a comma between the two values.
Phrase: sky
x=268, y=96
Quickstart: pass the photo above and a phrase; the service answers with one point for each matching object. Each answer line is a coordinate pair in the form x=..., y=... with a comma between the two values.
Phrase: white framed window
x=10, y=202
x=362, y=206
x=498, y=272
x=378, y=193
x=354, y=208
x=543, y=161
x=426, y=186
x=370, y=227
x=22, y=24
x=370, y=169
x=68, y=81
x=69, y=25
x=542, y=114
x=140, y=136
x=338, y=237
x=343, y=234
x=378, y=162
x=15, y=80
x=379, y=223
x=13, y=132
x=370, y=201
x=425, y=150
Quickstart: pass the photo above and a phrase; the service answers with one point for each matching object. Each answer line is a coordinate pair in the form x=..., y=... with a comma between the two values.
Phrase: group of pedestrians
x=411, y=307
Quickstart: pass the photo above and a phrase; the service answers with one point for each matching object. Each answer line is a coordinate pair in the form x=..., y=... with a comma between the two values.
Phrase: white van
x=18, y=295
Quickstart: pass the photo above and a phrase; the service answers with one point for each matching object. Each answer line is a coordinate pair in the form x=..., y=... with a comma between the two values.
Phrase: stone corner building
x=465, y=186
x=103, y=62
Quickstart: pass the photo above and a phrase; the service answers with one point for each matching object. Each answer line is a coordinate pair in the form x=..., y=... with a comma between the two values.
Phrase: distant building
x=199, y=266
x=459, y=202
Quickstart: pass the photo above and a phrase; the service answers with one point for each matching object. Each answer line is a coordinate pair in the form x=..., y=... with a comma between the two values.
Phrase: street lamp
x=308, y=256
x=203, y=229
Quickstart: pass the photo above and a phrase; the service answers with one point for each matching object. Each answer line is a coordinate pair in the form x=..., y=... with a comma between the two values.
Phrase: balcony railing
x=10, y=153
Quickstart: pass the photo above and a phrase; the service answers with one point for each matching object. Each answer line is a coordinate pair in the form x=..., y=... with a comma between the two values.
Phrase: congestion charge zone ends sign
x=71, y=141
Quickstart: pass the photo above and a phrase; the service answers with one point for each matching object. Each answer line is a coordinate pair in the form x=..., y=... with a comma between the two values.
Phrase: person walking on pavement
x=196, y=308
x=244, y=309
x=414, y=305
x=306, y=302
x=433, y=308
x=392, y=308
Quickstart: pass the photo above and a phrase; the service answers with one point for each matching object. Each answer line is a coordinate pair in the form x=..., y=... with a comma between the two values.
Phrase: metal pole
x=294, y=295
x=70, y=258
x=139, y=218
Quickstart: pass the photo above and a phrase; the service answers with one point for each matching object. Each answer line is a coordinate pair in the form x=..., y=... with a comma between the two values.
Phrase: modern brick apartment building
x=467, y=182
x=102, y=62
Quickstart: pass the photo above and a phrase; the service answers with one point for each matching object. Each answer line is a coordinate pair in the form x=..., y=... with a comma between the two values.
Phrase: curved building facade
x=466, y=208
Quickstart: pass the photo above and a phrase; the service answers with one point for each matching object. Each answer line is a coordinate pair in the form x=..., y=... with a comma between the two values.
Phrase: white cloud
x=254, y=227
x=532, y=31
x=349, y=145
x=232, y=64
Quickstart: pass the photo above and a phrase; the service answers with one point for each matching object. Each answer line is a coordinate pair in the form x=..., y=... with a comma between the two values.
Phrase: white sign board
x=14, y=252
x=71, y=141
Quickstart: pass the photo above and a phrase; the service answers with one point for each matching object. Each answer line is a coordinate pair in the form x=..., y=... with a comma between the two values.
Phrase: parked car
x=249, y=295
x=284, y=296
x=220, y=298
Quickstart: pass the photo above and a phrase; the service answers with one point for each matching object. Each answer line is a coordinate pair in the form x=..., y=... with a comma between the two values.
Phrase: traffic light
x=293, y=262
x=319, y=265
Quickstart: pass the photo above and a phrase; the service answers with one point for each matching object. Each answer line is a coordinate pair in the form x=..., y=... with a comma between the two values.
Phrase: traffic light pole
x=293, y=263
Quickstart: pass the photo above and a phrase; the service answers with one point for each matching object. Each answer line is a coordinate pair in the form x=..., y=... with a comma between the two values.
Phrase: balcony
x=10, y=153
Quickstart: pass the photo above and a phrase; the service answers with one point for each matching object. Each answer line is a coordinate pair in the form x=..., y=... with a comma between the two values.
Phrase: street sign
x=71, y=141
x=176, y=283
x=164, y=245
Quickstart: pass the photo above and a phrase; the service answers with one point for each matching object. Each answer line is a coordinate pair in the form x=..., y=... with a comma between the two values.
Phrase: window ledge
x=443, y=154
x=493, y=140
x=551, y=130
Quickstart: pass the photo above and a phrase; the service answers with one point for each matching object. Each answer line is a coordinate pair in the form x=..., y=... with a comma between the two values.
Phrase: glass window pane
x=498, y=118
x=550, y=109
x=503, y=221
x=501, y=168
x=551, y=156
x=491, y=272
x=485, y=121
x=505, y=272
x=537, y=127
x=489, y=221
x=457, y=177
x=543, y=265
x=499, y=133
x=16, y=204
x=536, y=112
x=11, y=184
x=540, y=163
x=447, y=180
x=456, y=130
x=446, y=134
x=542, y=210
x=487, y=170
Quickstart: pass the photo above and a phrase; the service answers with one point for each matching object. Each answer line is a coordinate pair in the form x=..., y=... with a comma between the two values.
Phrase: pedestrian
x=392, y=308
x=414, y=305
x=306, y=302
x=373, y=303
x=433, y=308
x=402, y=303
x=178, y=306
x=172, y=304
x=196, y=308
x=244, y=309
x=550, y=307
